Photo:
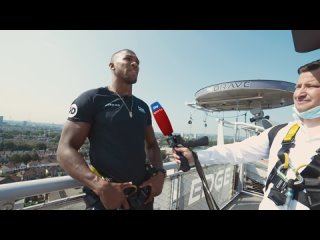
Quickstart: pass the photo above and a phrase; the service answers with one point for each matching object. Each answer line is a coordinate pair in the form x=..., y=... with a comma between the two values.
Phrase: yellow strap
x=301, y=166
x=291, y=133
x=95, y=171
x=286, y=161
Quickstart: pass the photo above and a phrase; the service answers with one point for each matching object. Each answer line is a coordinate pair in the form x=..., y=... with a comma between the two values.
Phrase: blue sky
x=41, y=72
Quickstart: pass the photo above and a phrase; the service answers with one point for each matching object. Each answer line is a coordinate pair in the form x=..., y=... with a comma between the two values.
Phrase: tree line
x=21, y=146
x=24, y=157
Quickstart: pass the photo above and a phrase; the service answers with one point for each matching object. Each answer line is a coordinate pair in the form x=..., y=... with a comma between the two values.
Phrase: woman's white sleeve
x=249, y=150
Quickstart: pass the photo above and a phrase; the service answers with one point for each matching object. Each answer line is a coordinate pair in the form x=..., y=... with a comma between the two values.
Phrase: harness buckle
x=299, y=178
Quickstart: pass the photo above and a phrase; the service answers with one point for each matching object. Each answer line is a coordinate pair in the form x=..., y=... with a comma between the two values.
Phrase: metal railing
x=181, y=190
x=11, y=191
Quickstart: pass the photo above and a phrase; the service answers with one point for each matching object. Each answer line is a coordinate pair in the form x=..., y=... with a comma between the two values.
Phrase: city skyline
x=42, y=72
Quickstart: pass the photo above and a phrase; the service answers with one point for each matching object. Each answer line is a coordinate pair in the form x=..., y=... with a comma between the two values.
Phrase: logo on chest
x=112, y=105
x=141, y=110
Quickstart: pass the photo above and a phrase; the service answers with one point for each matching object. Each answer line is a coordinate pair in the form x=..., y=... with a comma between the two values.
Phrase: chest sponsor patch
x=141, y=110
x=112, y=105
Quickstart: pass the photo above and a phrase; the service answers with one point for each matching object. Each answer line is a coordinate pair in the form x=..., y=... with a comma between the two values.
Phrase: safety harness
x=135, y=196
x=284, y=189
x=130, y=190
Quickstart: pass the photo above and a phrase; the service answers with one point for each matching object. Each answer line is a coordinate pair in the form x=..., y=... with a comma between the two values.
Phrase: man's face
x=126, y=66
x=307, y=93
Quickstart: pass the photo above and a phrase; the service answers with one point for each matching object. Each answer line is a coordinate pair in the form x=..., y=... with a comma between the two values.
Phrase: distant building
x=1, y=120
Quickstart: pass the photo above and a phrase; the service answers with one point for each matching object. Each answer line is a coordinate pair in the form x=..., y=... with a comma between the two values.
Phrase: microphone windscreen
x=161, y=118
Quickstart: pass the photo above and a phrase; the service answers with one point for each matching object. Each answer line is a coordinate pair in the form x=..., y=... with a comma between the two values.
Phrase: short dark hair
x=309, y=66
x=122, y=50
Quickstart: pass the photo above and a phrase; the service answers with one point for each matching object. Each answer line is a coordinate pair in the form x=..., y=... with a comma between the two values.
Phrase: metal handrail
x=16, y=190
x=11, y=192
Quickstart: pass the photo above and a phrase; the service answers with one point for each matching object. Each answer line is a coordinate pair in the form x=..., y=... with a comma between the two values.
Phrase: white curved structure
x=244, y=95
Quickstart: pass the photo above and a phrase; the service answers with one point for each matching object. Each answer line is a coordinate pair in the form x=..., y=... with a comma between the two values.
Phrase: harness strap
x=287, y=143
x=208, y=195
x=273, y=132
x=135, y=196
x=95, y=171
x=291, y=134
x=311, y=177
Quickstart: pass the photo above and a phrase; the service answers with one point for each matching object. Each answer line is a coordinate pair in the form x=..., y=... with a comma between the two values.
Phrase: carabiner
x=297, y=181
x=280, y=174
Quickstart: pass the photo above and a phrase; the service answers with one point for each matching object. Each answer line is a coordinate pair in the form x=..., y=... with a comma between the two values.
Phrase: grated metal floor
x=245, y=201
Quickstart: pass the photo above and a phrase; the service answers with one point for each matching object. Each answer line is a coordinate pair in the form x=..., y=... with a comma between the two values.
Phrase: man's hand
x=156, y=185
x=185, y=152
x=111, y=194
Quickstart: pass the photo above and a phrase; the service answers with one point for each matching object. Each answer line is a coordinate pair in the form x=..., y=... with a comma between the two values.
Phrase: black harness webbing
x=287, y=143
x=273, y=132
x=277, y=193
x=310, y=175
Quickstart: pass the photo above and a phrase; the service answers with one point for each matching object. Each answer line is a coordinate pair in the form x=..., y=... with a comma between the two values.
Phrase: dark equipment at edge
x=306, y=40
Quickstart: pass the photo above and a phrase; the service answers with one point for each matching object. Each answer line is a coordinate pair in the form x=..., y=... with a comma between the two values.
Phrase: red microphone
x=161, y=119
x=176, y=140
x=166, y=128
